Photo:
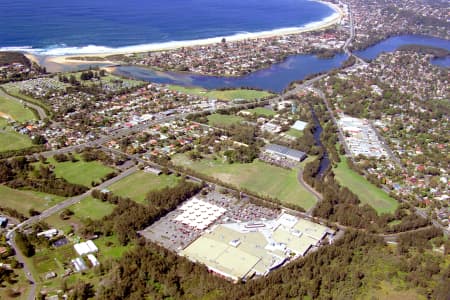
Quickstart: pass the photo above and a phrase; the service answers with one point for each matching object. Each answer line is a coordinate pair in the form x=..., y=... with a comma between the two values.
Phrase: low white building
x=48, y=233
x=79, y=264
x=85, y=248
x=299, y=125
x=94, y=261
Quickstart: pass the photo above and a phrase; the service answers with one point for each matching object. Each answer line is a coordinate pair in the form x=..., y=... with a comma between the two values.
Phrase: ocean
x=58, y=27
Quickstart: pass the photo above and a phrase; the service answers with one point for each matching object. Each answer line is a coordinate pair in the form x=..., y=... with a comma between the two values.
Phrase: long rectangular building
x=285, y=152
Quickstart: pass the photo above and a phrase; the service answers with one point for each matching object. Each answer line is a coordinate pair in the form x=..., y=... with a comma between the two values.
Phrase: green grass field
x=294, y=133
x=257, y=177
x=92, y=208
x=80, y=172
x=108, y=78
x=16, y=110
x=13, y=89
x=366, y=191
x=11, y=140
x=137, y=185
x=218, y=120
x=23, y=200
x=226, y=95
x=262, y=111
x=65, y=225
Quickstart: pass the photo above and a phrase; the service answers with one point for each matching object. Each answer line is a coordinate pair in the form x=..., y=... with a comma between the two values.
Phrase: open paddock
x=367, y=192
x=16, y=110
x=11, y=140
x=262, y=111
x=226, y=95
x=137, y=185
x=258, y=177
x=24, y=200
x=80, y=172
x=92, y=208
x=219, y=120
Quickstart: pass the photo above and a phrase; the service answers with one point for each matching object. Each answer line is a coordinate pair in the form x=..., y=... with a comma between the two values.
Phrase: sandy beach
x=68, y=60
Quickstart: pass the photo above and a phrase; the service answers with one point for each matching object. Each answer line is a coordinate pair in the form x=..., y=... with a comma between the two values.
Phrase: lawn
x=294, y=133
x=226, y=95
x=15, y=110
x=137, y=185
x=66, y=226
x=13, y=89
x=219, y=120
x=11, y=140
x=80, y=172
x=262, y=111
x=92, y=208
x=366, y=191
x=257, y=177
x=23, y=200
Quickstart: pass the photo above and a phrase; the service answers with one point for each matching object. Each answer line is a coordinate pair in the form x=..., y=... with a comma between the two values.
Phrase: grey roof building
x=285, y=152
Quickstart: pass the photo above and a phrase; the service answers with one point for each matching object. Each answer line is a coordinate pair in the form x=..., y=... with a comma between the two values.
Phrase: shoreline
x=331, y=20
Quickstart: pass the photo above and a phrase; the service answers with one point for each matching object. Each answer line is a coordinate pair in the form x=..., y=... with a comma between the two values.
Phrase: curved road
x=309, y=189
x=41, y=112
x=21, y=259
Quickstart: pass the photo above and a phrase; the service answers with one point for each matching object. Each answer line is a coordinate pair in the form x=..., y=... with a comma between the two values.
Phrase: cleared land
x=218, y=120
x=11, y=140
x=294, y=133
x=92, y=208
x=137, y=185
x=13, y=90
x=262, y=111
x=23, y=200
x=226, y=95
x=80, y=172
x=257, y=177
x=366, y=191
x=16, y=110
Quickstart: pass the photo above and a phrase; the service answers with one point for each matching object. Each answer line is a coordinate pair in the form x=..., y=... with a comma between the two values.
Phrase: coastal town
x=116, y=187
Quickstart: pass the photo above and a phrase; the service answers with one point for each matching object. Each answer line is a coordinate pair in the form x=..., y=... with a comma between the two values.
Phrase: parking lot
x=176, y=236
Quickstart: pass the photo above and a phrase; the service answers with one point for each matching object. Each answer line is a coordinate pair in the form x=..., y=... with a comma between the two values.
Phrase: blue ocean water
x=56, y=24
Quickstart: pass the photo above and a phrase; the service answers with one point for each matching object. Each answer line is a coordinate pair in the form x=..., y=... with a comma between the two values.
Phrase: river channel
x=278, y=76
